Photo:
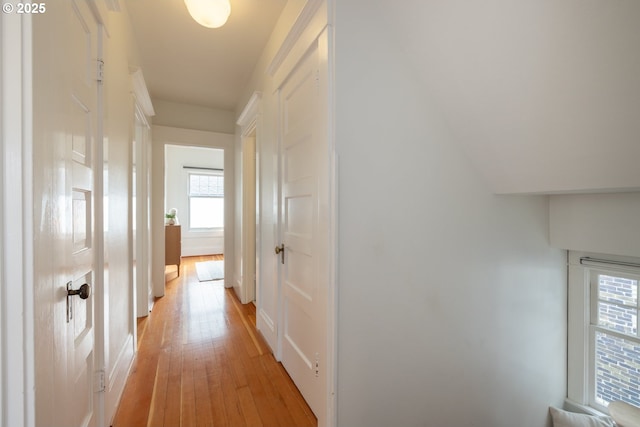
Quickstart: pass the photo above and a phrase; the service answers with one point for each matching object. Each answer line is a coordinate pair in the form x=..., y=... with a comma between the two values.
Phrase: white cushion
x=625, y=415
x=563, y=418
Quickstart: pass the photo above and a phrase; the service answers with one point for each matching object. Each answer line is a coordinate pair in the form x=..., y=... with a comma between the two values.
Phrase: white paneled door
x=305, y=225
x=73, y=219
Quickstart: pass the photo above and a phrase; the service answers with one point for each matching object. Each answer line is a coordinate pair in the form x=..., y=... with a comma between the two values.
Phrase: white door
x=79, y=189
x=65, y=123
x=305, y=226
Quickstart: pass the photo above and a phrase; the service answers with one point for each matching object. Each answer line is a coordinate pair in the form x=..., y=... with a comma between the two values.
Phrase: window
x=615, y=350
x=206, y=201
x=603, y=335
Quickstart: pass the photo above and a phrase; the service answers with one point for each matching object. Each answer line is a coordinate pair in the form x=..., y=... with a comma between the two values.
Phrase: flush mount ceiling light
x=209, y=13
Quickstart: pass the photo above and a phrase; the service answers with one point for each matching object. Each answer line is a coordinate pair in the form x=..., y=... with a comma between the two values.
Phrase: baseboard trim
x=117, y=378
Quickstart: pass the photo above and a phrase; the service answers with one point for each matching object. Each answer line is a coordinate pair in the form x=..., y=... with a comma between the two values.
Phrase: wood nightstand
x=172, y=245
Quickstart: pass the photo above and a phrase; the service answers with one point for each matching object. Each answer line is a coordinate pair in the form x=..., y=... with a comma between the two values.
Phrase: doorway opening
x=195, y=191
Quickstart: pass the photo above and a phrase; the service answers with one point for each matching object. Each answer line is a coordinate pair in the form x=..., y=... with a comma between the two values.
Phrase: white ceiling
x=187, y=63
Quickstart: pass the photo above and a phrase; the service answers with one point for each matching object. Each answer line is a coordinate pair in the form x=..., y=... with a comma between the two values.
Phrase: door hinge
x=317, y=365
x=100, y=70
x=100, y=385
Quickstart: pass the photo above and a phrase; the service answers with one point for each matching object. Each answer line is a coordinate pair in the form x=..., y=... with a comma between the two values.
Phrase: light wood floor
x=201, y=362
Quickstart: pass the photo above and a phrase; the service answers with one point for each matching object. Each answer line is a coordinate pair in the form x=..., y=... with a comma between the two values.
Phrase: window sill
x=572, y=406
x=203, y=233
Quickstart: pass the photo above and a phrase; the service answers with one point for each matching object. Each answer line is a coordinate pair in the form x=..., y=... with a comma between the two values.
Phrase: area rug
x=210, y=270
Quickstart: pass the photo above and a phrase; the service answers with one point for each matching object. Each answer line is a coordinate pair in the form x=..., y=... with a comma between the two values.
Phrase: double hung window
x=603, y=335
x=206, y=200
x=615, y=344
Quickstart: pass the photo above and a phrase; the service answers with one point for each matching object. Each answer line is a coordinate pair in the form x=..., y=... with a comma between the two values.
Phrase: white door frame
x=17, y=369
x=247, y=282
x=248, y=122
x=141, y=253
x=251, y=121
x=166, y=135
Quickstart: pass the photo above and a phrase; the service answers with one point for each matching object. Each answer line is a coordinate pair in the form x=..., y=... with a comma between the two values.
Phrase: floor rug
x=210, y=270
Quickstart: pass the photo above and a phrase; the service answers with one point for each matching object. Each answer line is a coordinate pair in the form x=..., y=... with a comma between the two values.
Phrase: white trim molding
x=17, y=368
x=578, y=331
x=299, y=27
x=139, y=88
x=250, y=219
x=248, y=116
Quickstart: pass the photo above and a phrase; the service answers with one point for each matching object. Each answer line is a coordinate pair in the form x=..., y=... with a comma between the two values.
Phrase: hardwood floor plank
x=204, y=413
x=267, y=402
x=232, y=407
x=173, y=401
x=188, y=397
x=248, y=406
x=202, y=363
x=156, y=408
x=219, y=412
x=254, y=348
x=291, y=397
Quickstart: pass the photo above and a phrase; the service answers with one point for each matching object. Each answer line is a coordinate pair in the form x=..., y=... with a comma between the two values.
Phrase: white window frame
x=189, y=196
x=581, y=363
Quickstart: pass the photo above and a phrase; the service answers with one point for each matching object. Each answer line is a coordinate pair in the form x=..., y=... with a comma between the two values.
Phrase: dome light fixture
x=209, y=13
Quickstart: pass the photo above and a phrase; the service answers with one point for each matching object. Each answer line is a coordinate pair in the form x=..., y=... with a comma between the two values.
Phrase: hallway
x=201, y=362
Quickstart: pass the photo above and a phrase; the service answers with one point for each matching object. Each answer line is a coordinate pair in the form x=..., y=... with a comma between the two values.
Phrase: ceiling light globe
x=209, y=13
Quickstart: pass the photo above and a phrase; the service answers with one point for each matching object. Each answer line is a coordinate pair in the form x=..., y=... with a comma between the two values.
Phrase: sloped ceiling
x=544, y=95
x=190, y=64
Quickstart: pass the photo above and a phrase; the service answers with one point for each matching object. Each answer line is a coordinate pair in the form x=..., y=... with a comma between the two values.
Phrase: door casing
x=247, y=282
x=17, y=373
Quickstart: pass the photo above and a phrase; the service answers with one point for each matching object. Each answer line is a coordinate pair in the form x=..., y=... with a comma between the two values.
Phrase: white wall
x=175, y=114
x=452, y=304
x=544, y=96
x=194, y=242
x=601, y=223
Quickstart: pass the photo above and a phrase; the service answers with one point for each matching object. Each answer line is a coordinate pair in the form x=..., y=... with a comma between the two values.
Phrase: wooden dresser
x=172, y=245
